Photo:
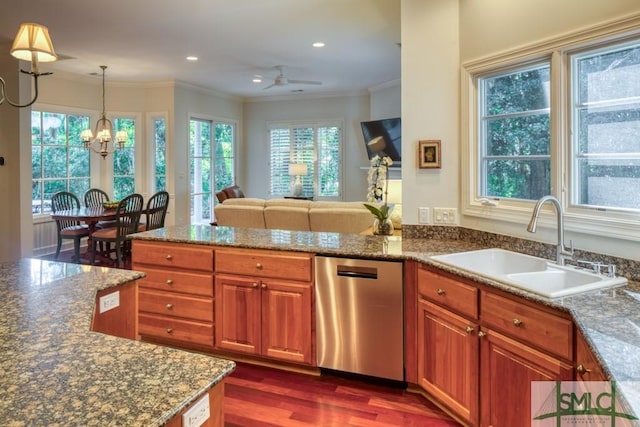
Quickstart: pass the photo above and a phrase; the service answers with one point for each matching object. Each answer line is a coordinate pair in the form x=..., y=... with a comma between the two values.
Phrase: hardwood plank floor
x=260, y=396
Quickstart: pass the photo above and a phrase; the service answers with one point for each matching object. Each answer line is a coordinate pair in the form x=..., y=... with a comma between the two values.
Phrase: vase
x=382, y=227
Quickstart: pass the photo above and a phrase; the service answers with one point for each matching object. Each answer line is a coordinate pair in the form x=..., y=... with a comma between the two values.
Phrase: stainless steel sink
x=530, y=273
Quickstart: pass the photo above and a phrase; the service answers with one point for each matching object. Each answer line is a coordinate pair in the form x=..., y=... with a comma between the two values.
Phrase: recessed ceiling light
x=192, y=58
x=257, y=79
x=318, y=44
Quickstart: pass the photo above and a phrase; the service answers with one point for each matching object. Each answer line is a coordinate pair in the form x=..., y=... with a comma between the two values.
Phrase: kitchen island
x=608, y=319
x=55, y=371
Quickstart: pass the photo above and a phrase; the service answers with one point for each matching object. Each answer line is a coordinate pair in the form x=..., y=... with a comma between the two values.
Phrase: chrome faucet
x=562, y=253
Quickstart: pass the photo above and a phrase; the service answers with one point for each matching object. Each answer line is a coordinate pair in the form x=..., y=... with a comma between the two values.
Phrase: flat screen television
x=390, y=130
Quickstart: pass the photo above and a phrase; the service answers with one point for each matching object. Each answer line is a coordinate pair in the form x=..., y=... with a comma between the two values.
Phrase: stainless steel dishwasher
x=359, y=316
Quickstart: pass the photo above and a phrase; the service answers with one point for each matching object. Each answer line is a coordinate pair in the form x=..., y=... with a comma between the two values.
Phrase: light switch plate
x=424, y=215
x=110, y=301
x=197, y=414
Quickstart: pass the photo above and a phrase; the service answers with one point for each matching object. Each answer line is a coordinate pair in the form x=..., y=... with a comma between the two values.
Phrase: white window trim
x=620, y=225
x=150, y=152
x=339, y=123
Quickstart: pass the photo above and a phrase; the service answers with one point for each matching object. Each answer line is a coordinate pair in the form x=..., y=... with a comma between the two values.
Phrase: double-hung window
x=124, y=174
x=515, y=134
x=58, y=159
x=562, y=118
x=316, y=145
x=605, y=99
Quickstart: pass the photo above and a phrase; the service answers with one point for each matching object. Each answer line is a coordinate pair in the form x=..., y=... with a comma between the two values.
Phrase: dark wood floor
x=265, y=397
x=260, y=396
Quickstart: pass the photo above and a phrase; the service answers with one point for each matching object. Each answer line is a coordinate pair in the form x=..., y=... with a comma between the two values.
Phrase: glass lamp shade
x=377, y=144
x=32, y=43
x=297, y=169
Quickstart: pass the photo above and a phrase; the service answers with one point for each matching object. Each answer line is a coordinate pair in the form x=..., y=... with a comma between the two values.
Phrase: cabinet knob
x=169, y=306
x=264, y=286
x=481, y=334
x=259, y=266
x=169, y=330
x=469, y=329
x=517, y=322
x=169, y=282
x=254, y=285
x=168, y=257
x=440, y=291
x=582, y=370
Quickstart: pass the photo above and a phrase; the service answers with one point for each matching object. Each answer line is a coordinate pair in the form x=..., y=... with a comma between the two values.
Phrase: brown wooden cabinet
x=264, y=304
x=479, y=349
x=587, y=366
x=175, y=299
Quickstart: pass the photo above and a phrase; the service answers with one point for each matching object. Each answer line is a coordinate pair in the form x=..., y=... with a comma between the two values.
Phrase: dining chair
x=127, y=219
x=156, y=211
x=68, y=228
x=95, y=197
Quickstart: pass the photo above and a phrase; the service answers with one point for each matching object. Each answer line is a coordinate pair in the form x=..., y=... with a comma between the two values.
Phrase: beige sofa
x=294, y=214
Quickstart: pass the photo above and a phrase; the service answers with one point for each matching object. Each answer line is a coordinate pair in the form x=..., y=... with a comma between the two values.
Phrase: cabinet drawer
x=278, y=265
x=168, y=280
x=541, y=328
x=168, y=328
x=448, y=292
x=191, y=257
x=171, y=304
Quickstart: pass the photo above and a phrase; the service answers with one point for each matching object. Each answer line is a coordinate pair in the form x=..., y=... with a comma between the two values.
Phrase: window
x=316, y=145
x=558, y=118
x=515, y=134
x=210, y=169
x=160, y=154
x=59, y=161
x=124, y=177
x=606, y=124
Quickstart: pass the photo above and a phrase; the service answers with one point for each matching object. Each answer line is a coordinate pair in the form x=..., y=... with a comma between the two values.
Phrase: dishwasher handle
x=357, y=272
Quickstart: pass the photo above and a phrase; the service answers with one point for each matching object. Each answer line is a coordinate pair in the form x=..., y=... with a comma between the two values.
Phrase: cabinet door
x=286, y=321
x=448, y=359
x=508, y=368
x=237, y=314
x=587, y=366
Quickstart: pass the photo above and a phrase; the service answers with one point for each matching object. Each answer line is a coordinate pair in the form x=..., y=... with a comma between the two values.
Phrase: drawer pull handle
x=169, y=330
x=517, y=322
x=482, y=334
x=469, y=329
x=264, y=286
x=169, y=282
x=254, y=285
x=582, y=370
x=440, y=291
x=168, y=257
x=259, y=266
x=169, y=306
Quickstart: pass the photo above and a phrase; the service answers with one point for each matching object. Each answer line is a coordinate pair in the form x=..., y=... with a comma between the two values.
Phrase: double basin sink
x=529, y=273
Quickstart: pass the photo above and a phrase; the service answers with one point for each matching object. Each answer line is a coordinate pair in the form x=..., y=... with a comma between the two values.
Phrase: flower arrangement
x=378, y=186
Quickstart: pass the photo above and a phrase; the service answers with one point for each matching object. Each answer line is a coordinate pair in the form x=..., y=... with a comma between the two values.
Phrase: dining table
x=90, y=216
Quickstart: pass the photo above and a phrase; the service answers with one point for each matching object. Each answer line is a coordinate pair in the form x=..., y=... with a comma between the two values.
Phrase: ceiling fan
x=282, y=80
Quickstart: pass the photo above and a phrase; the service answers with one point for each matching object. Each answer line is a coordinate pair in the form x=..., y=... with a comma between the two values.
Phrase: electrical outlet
x=109, y=302
x=445, y=215
x=198, y=414
x=424, y=215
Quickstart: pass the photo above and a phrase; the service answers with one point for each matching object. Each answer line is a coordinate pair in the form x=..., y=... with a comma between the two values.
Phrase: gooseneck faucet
x=562, y=253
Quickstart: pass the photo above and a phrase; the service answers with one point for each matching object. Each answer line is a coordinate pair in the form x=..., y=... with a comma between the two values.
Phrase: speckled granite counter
x=610, y=319
x=55, y=371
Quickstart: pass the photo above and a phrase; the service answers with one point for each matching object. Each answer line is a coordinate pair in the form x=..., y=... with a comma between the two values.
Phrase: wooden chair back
x=95, y=197
x=156, y=211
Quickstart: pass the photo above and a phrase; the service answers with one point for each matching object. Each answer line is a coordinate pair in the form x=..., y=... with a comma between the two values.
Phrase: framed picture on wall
x=429, y=154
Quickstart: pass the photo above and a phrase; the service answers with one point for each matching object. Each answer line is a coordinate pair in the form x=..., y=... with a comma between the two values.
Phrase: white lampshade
x=33, y=43
x=297, y=169
x=377, y=144
x=394, y=191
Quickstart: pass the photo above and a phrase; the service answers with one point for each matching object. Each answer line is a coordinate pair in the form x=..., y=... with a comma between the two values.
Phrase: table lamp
x=298, y=170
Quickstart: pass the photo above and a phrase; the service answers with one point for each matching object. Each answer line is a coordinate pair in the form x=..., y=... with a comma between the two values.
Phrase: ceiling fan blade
x=305, y=82
x=269, y=87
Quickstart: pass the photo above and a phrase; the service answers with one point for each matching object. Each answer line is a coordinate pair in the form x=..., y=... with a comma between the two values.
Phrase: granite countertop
x=55, y=371
x=609, y=319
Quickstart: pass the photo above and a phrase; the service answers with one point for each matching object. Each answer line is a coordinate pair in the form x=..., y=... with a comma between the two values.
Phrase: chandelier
x=104, y=131
x=32, y=43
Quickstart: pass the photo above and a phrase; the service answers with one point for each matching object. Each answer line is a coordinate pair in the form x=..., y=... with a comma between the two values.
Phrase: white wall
x=386, y=101
x=430, y=87
x=351, y=109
